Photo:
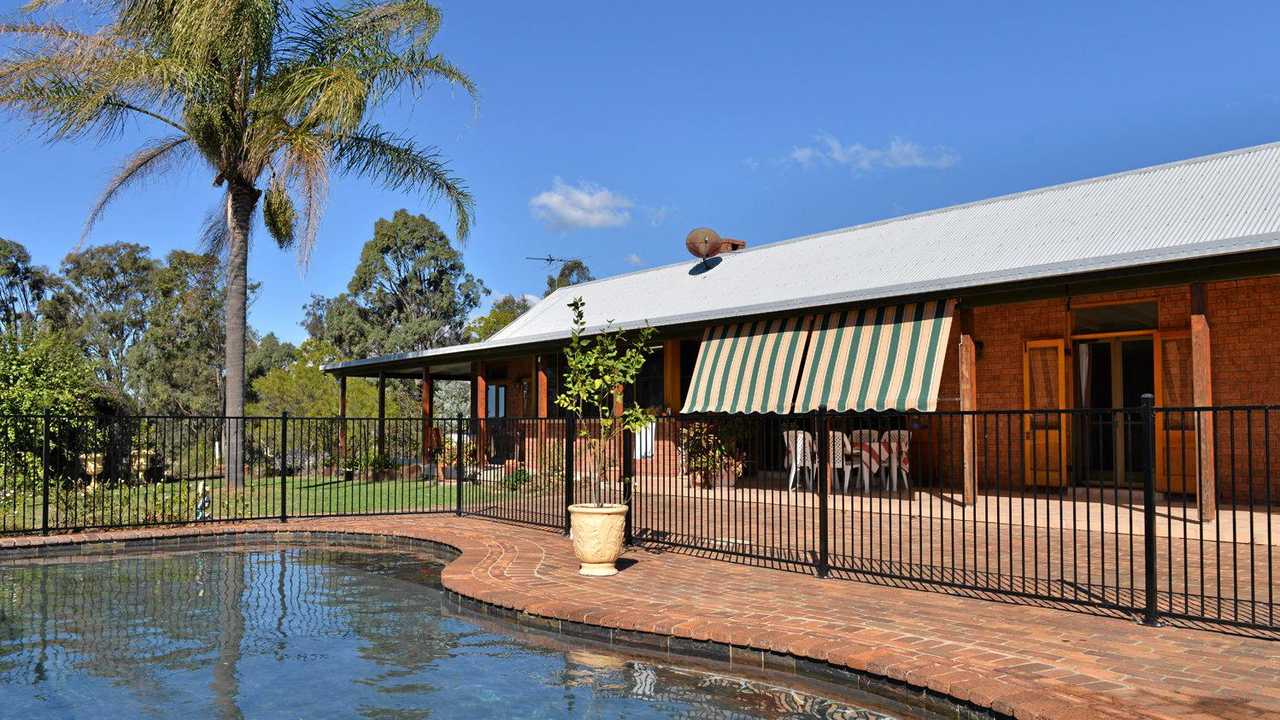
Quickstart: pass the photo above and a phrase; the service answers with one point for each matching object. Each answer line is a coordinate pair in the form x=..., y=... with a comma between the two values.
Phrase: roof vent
x=706, y=243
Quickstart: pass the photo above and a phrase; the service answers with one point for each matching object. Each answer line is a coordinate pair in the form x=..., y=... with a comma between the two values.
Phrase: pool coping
x=893, y=695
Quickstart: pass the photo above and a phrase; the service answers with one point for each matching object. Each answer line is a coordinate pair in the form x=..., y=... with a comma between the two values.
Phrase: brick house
x=1061, y=303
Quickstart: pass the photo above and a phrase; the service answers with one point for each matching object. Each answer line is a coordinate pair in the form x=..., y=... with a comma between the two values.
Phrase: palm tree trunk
x=225, y=681
x=240, y=205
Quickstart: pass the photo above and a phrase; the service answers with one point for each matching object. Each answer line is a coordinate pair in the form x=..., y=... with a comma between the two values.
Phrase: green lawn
x=176, y=501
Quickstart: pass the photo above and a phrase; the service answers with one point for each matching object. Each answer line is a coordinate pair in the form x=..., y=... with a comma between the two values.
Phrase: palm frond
x=154, y=158
x=309, y=164
x=342, y=60
x=332, y=95
x=72, y=83
x=398, y=163
x=248, y=85
x=419, y=68
x=327, y=32
x=214, y=232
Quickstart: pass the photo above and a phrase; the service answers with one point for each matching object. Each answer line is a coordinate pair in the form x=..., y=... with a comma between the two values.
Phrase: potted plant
x=447, y=457
x=597, y=367
x=710, y=455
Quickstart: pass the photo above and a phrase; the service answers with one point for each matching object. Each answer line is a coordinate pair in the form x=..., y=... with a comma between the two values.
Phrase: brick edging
x=884, y=672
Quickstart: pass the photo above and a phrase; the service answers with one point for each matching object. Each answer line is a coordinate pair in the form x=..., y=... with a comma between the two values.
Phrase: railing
x=74, y=473
x=1159, y=512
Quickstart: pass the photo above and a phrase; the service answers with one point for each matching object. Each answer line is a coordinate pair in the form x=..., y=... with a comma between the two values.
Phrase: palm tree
x=271, y=95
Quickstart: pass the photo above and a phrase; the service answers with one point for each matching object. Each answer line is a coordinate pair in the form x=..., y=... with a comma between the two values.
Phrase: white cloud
x=569, y=207
x=899, y=153
x=659, y=215
x=531, y=298
x=634, y=260
x=803, y=155
x=751, y=164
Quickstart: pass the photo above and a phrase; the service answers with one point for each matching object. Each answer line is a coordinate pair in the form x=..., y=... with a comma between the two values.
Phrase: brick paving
x=1233, y=581
x=1020, y=660
x=1221, y=576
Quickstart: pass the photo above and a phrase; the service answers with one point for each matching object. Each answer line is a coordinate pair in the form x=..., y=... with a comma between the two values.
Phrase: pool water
x=315, y=632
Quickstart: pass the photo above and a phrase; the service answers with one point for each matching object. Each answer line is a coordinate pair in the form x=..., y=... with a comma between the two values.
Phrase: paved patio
x=1026, y=661
x=1053, y=546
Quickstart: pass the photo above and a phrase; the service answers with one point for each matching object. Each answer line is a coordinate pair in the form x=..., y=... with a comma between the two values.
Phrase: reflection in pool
x=312, y=632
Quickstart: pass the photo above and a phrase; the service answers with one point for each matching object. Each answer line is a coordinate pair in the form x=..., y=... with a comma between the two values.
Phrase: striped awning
x=748, y=367
x=883, y=358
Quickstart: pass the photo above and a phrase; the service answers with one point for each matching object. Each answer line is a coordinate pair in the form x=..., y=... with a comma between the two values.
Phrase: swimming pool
x=316, y=632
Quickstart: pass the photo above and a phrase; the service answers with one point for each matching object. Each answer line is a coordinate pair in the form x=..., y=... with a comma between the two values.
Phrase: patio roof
x=1205, y=207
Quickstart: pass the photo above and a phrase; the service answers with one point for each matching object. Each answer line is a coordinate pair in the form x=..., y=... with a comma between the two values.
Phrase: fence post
x=458, y=468
x=628, y=471
x=570, y=434
x=1151, y=613
x=44, y=475
x=284, y=465
x=822, y=481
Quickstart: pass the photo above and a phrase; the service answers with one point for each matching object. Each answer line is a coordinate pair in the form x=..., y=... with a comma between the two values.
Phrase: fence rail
x=1160, y=512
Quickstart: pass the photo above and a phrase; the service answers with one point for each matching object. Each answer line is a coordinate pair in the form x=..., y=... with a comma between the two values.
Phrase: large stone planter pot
x=597, y=537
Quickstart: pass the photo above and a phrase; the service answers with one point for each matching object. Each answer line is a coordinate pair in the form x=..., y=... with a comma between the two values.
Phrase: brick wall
x=1244, y=321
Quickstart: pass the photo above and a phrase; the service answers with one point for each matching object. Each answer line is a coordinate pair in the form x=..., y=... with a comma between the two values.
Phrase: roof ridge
x=951, y=208
x=1029, y=192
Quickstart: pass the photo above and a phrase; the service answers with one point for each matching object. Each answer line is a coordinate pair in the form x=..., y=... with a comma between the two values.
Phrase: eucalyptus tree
x=410, y=291
x=571, y=272
x=268, y=96
x=102, y=301
x=22, y=287
x=175, y=367
x=504, y=311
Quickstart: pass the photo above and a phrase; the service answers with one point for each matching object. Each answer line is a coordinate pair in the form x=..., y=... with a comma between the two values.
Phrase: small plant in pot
x=597, y=367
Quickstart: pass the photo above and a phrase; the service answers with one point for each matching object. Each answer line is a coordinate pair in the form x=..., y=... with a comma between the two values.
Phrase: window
x=688, y=360
x=496, y=402
x=1115, y=318
x=554, y=368
x=648, y=389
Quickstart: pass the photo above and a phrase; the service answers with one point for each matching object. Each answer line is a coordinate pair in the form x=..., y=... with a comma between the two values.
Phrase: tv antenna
x=551, y=259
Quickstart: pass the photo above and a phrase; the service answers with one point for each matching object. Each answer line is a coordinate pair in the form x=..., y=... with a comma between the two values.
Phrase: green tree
x=571, y=272
x=176, y=366
x=338, y=321
x=266, y=354
x=597, y=368
x=410, y=291
x=504, y=311
x=303, y=389
x=22, y=287
x=270, y=95
x=101, y=302
x=44, y=373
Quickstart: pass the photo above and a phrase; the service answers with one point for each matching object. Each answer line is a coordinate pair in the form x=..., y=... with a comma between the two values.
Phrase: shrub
x=38, y=374
x=516, y=479
x=449, y=451
x=710, y=452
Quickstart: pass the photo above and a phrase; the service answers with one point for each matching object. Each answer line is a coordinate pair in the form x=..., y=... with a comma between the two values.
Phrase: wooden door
x=1044, y=454
x=1176, y=457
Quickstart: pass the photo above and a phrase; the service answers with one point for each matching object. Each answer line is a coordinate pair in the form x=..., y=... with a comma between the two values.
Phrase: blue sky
x=607, y=130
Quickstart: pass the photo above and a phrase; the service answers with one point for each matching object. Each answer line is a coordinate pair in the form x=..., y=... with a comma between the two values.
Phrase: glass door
x=1112, y=376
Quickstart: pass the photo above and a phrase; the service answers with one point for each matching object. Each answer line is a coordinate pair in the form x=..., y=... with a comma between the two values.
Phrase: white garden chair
x=839, y=455
x=897, y=454
x=802, y=456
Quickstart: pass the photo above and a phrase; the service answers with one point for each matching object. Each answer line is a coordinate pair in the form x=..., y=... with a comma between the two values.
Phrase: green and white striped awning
x=884, y=358
x=748, y=367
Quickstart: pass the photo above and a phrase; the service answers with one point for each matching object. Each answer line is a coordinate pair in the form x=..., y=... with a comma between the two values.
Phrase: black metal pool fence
x=1159, y=512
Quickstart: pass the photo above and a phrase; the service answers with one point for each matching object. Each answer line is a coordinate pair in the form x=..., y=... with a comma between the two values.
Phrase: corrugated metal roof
x=1212, y=205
